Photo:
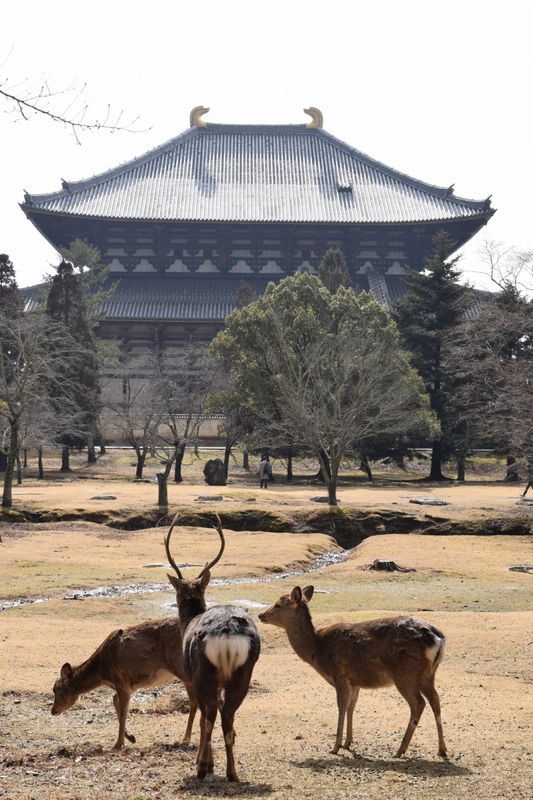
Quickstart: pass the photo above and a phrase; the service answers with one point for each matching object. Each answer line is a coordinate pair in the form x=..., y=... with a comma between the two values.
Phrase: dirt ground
x=285, y=728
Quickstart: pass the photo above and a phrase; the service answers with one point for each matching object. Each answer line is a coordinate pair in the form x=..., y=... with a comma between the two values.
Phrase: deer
x=220, y=648
x=402, y=650
x=141, y=656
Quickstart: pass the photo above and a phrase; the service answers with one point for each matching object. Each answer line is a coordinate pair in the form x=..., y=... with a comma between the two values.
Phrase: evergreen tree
x=66, y=304
x=333, y=271
x=10, y=307
x=433, y=306
x=10, y=302
x=244, y=295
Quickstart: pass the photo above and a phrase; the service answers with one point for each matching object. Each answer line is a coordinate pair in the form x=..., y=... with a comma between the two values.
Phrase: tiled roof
x=209, y=298
x=171, y=298
x=263, y=173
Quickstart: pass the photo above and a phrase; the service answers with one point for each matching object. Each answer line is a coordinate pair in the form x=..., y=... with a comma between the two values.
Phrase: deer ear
x=296, y=595
x=66, y=671
x=176, y=583
x=308, y=592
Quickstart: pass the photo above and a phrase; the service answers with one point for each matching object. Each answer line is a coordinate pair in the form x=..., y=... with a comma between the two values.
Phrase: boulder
x=429, y=501
x=214, y=472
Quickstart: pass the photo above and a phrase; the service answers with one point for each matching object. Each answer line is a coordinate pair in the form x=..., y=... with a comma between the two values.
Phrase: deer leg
x=193, y=705
x=205, y=759
x=121, y=701
x=234, y=695
x=342, y=703
x=429, y=691
x=417, y=705
x=349, y=719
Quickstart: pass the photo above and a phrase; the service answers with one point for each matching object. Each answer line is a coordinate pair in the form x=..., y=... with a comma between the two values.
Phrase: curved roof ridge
x=113, y=172
x=374, y=163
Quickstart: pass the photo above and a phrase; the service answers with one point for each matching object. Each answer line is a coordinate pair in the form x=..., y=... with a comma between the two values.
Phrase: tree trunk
x=40, y=463
x=141, y=458
x=65, y=459
x=461, y=459
x=289, y=465
x=25, y=462
x=323, y=459
x=91, y=452
x=102, y=446
x=196, y=449
x=3, y=461
x=162, y=490
x=7, y=496
x=512, y=470
x=329, y=476
x=436, y=462
x=227, y=454
x=245, y=459
x=365, y=466
x=19, y=469
x=180, y=452
x=332, y=492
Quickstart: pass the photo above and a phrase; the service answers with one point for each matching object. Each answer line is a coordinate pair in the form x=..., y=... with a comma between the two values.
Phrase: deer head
x=64, y=693
x=190, y=594
x=288, y=608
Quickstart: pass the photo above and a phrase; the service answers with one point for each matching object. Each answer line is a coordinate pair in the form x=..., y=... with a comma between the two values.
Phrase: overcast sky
x=439, y=89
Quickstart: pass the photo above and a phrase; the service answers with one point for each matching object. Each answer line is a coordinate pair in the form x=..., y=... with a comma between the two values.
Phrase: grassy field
x=285, y=728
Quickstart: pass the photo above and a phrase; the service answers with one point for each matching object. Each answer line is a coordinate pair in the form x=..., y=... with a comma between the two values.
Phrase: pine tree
x=244, y=295
x=433, y=306
x=10, y=302
x=65, y=304
x=333, y=271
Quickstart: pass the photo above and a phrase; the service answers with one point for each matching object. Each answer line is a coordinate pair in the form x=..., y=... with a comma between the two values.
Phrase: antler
x=167, y=548
x=217, y=527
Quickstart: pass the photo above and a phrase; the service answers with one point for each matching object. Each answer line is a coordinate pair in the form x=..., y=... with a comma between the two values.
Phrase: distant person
x=265, y=472
x=529, y=483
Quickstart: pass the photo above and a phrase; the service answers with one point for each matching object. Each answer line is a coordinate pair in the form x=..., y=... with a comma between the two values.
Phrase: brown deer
x=403, y=651
x=149, y=654
x=220, y=648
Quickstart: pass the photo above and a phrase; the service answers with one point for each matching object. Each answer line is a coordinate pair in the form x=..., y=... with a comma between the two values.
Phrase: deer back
x=224, y=636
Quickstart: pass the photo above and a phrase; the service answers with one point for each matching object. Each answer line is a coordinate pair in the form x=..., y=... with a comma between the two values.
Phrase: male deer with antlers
x=403, y=651
x=220, y=648
x=149, y=654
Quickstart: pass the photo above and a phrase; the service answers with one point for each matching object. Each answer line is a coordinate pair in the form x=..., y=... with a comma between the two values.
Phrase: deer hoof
x=399, y=754
x=131, y=738
x=443, y=754
x=335, y=750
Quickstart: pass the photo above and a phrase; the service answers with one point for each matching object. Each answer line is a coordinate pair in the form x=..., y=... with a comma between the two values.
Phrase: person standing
x=264, y=472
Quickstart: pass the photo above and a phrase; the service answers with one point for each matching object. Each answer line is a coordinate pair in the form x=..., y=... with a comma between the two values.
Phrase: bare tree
x=33, y=357
x=132, y=410
x=508, y=266
x=185, y=377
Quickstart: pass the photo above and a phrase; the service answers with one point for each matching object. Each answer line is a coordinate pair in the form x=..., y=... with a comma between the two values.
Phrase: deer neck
x=189, y=609
x=303, y=636
x=86, y=677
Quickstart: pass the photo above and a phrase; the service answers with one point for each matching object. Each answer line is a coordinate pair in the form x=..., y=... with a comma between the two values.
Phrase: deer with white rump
x=220, y=648
x=403, y=651
x=138, y=657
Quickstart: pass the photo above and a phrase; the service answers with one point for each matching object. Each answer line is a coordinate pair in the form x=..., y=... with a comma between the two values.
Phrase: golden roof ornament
x=317, y=118
x=196, y=115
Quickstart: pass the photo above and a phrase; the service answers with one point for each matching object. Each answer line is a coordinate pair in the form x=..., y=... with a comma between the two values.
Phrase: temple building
x=184, y=224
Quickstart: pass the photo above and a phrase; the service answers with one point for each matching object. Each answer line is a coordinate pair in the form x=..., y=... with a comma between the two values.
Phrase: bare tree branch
x=25, y=102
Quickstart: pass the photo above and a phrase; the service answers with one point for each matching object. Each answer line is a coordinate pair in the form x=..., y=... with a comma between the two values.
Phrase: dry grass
x=286, y=725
